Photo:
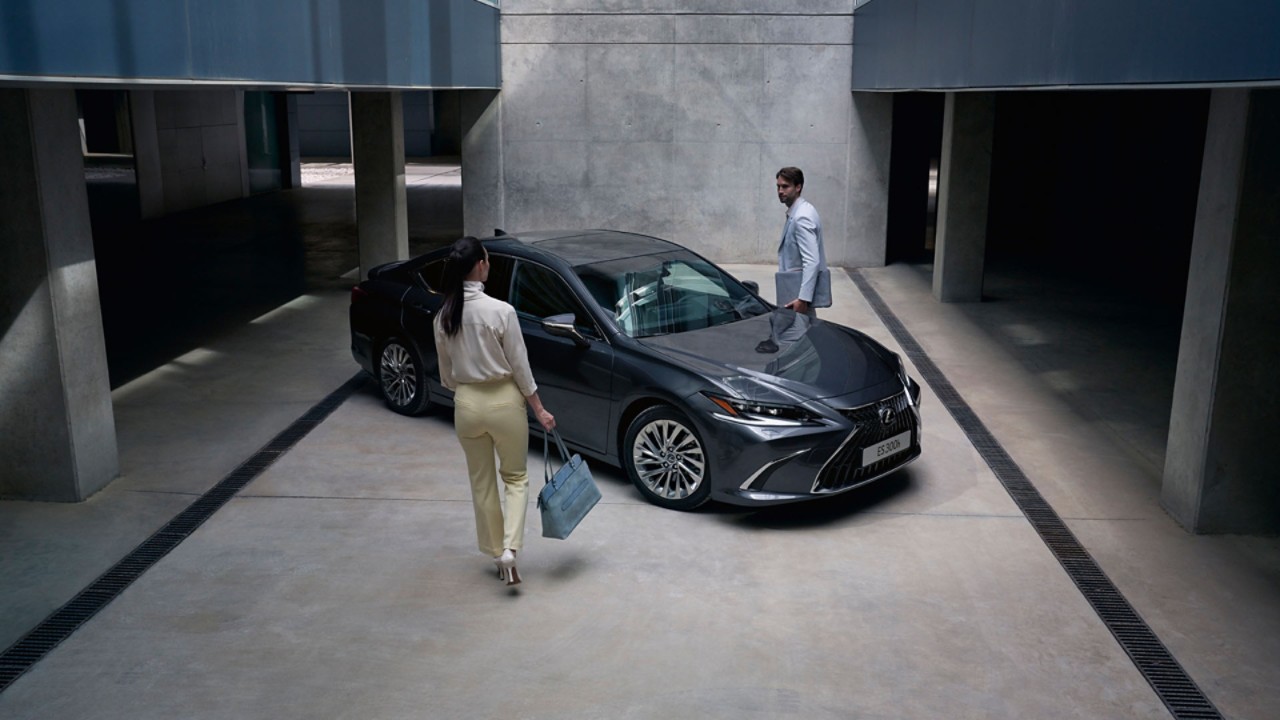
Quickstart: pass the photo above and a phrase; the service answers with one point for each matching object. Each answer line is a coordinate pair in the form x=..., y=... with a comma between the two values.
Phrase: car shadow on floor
x=825, y=511
x=800, y=515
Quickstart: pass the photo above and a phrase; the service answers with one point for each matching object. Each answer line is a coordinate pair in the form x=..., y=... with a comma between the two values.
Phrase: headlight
x=757, y=413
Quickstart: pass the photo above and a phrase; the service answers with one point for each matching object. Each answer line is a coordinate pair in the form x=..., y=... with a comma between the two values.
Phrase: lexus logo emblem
x=887, y=415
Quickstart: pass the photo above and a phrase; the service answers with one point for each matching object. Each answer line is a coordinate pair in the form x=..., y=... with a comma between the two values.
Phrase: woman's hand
x=546, y=419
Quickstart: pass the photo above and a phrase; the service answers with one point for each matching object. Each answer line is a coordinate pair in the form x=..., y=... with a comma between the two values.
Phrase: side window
x=498, y=285
x=539, y=292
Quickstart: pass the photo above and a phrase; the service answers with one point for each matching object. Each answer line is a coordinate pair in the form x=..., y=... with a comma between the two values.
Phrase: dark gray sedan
x=655, y=360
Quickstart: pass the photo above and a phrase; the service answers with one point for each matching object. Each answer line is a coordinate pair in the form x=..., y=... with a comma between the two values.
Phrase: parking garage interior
x=1056, y=327
x=224, y=321
x=166, y=283
x=1091, y=218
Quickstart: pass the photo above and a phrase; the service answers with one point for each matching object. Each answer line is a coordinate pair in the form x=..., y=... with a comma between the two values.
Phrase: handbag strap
x=546, y=466
x=546, y=442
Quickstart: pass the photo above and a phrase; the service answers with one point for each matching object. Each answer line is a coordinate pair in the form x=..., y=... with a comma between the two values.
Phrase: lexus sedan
x=655, y=360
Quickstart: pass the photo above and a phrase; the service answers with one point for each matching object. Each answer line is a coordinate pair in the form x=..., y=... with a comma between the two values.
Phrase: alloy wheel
x=399, y=376
x=668, y=459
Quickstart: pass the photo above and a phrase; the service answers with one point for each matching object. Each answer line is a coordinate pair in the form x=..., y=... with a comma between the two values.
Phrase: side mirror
x=562, y=326
x=752, y=285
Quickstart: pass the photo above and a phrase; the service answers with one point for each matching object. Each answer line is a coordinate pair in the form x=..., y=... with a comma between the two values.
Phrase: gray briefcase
x=787, y=286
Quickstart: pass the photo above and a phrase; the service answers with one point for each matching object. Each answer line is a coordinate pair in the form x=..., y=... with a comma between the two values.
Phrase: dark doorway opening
x=913, y=165
x=1100, y=186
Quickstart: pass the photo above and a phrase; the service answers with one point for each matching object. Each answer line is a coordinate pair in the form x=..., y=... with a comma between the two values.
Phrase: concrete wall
x=670, y=119
x=201, y=159
x=324, y=125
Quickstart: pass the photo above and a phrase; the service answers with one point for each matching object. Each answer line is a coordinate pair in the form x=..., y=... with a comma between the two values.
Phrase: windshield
x=667, y=293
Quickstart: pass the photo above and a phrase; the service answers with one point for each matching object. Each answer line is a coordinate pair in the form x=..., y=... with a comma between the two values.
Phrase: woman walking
x=484, y=361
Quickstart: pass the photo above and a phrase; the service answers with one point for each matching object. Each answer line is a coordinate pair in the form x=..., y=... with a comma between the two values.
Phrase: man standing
x=803, y=281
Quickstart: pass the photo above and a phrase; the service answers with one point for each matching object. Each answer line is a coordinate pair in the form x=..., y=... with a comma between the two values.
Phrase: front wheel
x=667, y=460
x=402, y=379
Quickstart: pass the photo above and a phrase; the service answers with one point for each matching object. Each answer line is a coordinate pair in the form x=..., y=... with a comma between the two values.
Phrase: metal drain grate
x=33, y=646
x=1176, y=689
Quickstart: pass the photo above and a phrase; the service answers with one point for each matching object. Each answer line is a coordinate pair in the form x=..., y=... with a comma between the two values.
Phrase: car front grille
x=845, y=469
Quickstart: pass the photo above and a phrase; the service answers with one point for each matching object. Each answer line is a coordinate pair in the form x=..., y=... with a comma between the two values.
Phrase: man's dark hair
x=793, y=175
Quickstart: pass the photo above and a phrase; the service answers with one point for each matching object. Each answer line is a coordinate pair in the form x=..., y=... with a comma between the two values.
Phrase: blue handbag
x=568, y=495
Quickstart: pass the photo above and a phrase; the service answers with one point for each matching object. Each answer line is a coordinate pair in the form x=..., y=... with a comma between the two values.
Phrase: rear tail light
x=358, y=293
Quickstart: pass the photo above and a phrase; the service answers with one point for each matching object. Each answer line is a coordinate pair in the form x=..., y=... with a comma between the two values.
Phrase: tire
x=402, y=378
x=666, y=459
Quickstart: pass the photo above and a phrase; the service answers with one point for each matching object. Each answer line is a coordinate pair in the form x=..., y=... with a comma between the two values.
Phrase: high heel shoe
x=507, y=567
x=504, y=562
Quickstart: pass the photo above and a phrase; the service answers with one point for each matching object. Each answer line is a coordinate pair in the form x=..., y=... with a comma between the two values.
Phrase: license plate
x=884, y=449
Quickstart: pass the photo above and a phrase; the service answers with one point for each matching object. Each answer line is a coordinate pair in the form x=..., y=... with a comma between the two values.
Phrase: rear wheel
x=667, y=460
x=402, y=379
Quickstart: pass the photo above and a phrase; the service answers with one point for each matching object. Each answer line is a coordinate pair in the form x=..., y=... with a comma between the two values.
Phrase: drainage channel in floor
x=1166, y=676
x=64, y=621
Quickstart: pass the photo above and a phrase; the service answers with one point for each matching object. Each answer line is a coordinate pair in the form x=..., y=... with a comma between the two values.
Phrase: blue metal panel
x=300, y=43
x=1011, y=41
x=237, y=39
x=116, y=39
x=1103, y=39
x=946, y=33
x=956, y=44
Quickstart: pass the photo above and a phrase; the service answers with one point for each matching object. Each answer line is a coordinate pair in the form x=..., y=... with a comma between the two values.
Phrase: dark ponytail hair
x=463, y=256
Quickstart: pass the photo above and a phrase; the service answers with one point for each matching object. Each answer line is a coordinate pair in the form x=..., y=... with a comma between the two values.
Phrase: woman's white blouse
x=489, y=345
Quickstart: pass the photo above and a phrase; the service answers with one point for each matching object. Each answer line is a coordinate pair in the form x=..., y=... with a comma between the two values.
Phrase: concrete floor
x=344, y=581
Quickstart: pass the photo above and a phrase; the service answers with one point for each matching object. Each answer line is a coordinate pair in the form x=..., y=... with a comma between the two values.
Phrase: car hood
x=813, y=358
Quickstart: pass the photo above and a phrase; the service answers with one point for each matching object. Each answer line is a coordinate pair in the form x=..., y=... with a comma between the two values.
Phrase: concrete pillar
x=57, y=431
x=377, y=151
x=483, y=196
x=1221, y=468
x=146, y=153
x=870, y=142
x=964, y=184
x=124, y=134
x=287, y=126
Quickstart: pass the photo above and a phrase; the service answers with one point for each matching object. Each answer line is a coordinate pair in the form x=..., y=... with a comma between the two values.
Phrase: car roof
x=584, y=247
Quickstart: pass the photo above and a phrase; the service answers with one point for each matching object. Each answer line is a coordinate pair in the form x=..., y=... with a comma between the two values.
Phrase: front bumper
x=772, y=466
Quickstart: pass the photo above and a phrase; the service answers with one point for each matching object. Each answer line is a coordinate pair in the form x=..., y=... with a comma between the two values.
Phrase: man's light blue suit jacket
x=801, y=251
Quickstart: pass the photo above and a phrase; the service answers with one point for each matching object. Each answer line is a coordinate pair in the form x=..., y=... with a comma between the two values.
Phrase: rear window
x=432, y=276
